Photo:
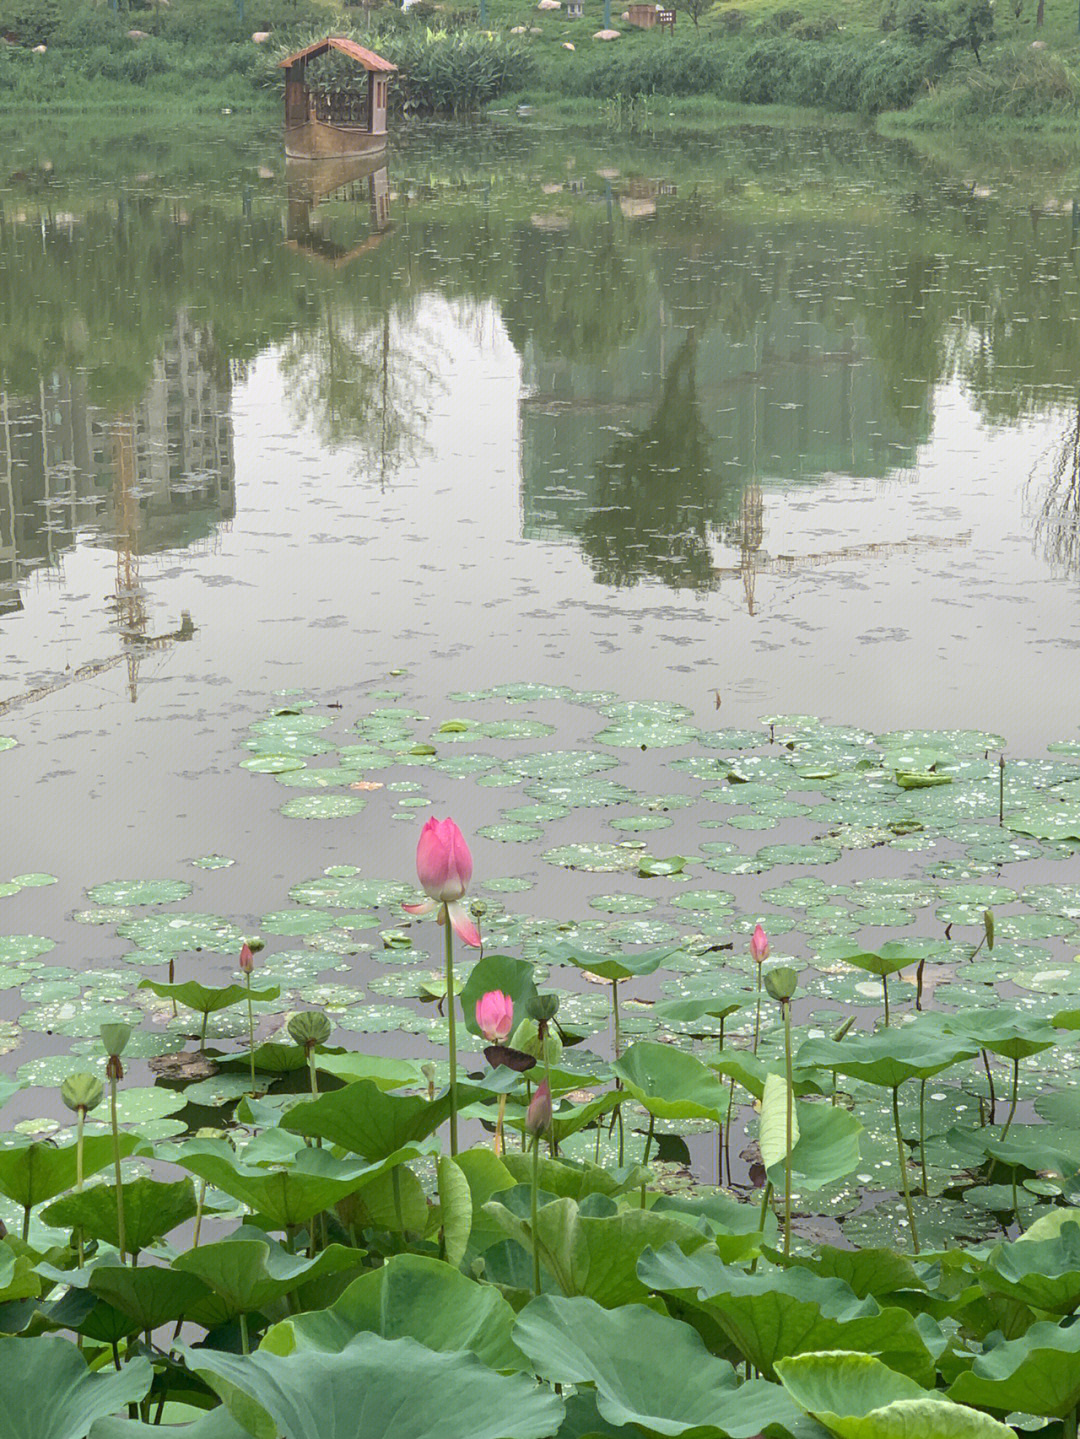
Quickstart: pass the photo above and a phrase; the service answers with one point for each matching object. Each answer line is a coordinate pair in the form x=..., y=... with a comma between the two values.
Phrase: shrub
x=33, y=21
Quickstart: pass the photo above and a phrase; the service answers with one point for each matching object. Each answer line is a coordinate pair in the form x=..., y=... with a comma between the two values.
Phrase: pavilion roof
x=367, y=58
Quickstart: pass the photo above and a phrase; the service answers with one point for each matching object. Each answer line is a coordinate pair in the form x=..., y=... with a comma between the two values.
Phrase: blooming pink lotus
x=759, y=945
x=444, y=868
x=495, y=1015
x=538, y=1115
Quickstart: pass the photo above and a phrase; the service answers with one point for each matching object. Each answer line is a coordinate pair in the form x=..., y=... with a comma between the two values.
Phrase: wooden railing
x=340, y=107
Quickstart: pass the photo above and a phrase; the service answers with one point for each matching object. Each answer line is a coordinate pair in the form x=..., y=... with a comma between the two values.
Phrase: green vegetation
x=942, y=62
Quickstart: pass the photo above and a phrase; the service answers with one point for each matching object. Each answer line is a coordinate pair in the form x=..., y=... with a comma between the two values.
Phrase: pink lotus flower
x=495, y=1016
x=247, y=959
x=444, y=868
x=759, y=946
x=538, y=1115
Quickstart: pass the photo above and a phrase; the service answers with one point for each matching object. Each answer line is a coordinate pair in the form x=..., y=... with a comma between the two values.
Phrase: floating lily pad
x=323, y=806
x=140, y=891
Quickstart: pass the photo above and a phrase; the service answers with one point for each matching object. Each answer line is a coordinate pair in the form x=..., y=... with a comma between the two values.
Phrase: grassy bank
x=926, y=64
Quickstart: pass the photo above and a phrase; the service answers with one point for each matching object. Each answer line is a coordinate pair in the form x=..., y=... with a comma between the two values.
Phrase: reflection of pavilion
x=338, y=209
x=157, y=477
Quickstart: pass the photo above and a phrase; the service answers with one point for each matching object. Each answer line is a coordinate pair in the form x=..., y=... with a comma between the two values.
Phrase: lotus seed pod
x=115, y=1037
x=82, y=1091
x=543, y=1007
x=310, y=1027
x=477, y=908
x=254, y=943
x=782, y=982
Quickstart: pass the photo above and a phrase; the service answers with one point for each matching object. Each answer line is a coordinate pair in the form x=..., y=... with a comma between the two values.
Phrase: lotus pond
x=697, y=525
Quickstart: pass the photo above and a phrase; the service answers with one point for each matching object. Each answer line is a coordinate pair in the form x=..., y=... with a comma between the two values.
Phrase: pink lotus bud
x=247, y=959
x=443, y=861
x=495, y=1016
x=759, y=945
x=538, y=1115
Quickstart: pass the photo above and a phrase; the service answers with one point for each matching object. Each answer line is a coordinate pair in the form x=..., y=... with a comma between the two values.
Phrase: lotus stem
x=500, y=1144
x=1069, y=1425
x=245, y=1341
x=113, y=1066
x=199, y=1202
x=786, y=1006
x=1001, y=820
x=902, y=1157
x=990, y=1082
x=535, y=1213
x=172, y=980
x=618, y=1082
x=80, y=1121
x=757, y=1012
x=766, y=1196
x=919, y=983
x=1015, y=1097
x=648, y=1149
x=885, y=992
x=453, y=1027
x=922, y=1137
x=202, y=1037
x=720, y=1130
x=251, y=1032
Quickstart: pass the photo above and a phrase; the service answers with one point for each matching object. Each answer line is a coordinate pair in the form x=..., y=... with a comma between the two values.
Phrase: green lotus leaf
x=749, y=1071
x=649, y=1370
x=131, y=1298
x=1038, y=1373
x=890, y=1056
x=889, y=959
x=513, y=977
x=770, y=1315
x=152, y=1208
x=857, y=1397
x=569, y=1180
x=455, y=1209
x=410, y=1296
x=47, y=1392
x=651, y=868
x=383, y=1389
x=609, y=966
x=690, y=1011
x=213, y=1424
x=32, y=1171
x=249, y=1270
x=588, y=1254
x=314, y=1180
x=365, y=1120
x=1042, y=1273
x=921, y=779
x=880, y=1272
x=207, y=998
x=1012, y=1034
x=772, y=1135
x=381, y=1069
x=670, y=1083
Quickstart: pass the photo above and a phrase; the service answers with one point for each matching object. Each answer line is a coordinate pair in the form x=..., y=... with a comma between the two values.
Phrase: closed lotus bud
x=247, y=959
x=309, y=1028
x=495, y=1016
x=538, y=1115
x=988, y=926
x=82, y=1092
x=759, y=945
x=115, y=1037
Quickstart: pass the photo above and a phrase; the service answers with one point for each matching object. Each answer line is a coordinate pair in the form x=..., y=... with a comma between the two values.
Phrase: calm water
x=761, y=422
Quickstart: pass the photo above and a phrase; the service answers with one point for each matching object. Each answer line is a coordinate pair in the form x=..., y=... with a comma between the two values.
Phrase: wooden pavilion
x=322, y=124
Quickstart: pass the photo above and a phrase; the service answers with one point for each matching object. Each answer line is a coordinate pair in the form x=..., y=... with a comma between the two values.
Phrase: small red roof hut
x=324, y=123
